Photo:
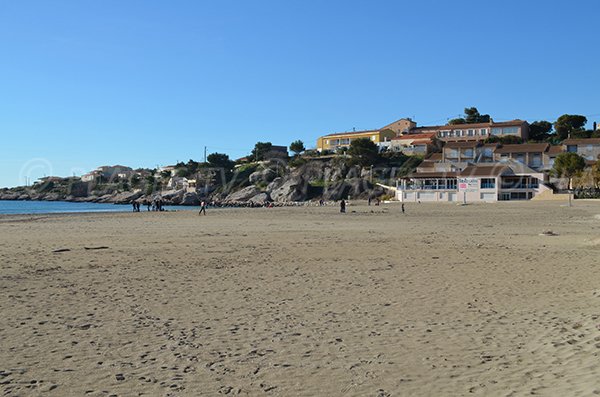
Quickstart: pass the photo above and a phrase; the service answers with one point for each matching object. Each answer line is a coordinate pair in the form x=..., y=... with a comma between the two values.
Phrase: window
x=373, y=137
x=483, y=131
x=458, y=132
x=505, y=130
x=572, y=148
x=468, y=153
x=488, y=183
x=518, y=196
x=520, y=157
x=471, y=132
x=536, y=160
x=534, y=183
x=453, y=153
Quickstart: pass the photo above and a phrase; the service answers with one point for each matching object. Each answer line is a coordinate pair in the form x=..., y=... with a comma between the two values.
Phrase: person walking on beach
x=202, y=208
x=403, y=208
x=343, y=206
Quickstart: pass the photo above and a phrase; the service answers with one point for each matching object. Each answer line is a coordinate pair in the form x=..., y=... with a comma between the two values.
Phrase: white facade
x=490, y=183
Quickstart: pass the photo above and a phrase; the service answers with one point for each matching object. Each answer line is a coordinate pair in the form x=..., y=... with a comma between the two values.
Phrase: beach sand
x=444, y=300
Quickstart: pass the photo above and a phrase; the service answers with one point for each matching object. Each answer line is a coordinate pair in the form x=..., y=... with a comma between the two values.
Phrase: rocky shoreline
x=269, y=183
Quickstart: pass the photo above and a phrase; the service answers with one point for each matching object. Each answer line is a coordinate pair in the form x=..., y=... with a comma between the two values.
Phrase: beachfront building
x=490, y=182
x=333, y=142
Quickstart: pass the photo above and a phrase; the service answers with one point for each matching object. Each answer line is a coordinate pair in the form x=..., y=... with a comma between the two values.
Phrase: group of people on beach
x=158, y=205
x=154, y=205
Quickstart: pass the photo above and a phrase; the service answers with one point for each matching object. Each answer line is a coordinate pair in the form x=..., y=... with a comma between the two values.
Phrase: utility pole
x=205, y=154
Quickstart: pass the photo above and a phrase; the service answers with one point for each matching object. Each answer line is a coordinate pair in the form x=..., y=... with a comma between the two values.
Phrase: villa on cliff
x=404, y=135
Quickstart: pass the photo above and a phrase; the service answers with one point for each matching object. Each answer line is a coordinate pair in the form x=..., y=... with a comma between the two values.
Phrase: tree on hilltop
x=297, y=147
x=472, y=116
x=220, y=160
x=540, y=130
x=260, y=151
x=568, y=124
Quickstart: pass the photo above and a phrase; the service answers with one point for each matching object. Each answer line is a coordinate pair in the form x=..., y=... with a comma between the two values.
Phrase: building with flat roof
x=381, y=137
x=338, y=140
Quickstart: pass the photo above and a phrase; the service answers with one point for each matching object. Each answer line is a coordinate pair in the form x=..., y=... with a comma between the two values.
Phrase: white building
x=489, y=182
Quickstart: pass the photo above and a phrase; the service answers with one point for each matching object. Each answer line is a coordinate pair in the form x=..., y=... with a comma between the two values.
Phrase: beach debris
x=62, y=250
x=120, y=377
x=548, y=233
x=96, y=248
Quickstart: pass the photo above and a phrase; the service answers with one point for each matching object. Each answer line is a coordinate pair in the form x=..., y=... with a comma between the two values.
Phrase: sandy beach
x=444, y=300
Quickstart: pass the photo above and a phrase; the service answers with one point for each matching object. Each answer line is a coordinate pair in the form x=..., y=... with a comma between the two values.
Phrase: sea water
x=52, y=207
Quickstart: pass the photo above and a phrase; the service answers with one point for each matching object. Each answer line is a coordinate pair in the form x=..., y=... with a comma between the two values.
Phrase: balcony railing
x=520, y=186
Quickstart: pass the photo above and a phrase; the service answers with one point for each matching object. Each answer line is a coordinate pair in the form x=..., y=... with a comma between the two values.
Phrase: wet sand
x=444, y=300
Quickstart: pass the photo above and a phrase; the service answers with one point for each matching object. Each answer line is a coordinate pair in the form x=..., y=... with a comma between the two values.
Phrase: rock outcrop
x=243, y=195
x=290, y=189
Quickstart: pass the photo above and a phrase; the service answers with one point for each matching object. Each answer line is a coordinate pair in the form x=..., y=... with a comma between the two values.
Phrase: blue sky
x=146, y=83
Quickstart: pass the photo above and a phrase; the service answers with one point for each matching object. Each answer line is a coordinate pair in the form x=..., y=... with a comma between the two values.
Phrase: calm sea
x=49, y=207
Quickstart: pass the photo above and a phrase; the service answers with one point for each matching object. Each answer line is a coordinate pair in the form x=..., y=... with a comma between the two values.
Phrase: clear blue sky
x=142, y=83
